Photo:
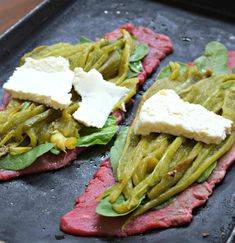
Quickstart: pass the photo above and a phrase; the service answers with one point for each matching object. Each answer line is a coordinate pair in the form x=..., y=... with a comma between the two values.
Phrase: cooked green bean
x=150, y=180
x=156, y=149
x=130, y=167
x=92, y=58
x=103, y=58
x=19, y=117
x=124, y=64
x=175, y=173
x=183, y=184
x=114, y=45
x=110, y=68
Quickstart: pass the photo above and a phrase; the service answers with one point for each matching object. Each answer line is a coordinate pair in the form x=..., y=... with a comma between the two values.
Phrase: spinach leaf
x=166, y=71
x=117, y=149
x=207, y=173
x=21, y=161
x=83, y=40
x=136, y=67
x=101, y=136
x=215, y=57
x=131, y=74
x=104, y=208
x=135, y=64
x=140, y=51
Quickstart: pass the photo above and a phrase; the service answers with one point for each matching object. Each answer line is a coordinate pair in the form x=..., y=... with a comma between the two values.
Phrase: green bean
x=37, y=118
x=124, y=64
x=33, y=54
x=183, y=184
x=110, y=68
x=81, y=61
x=175, y=68
x=32, y=136
x=150, y=180
x=6, y=138
x=228, y=107
x=131, y=143
x=60, y=49
x=20, y=117
x=128, y=189
x=103, y=58
x=155, y=151
x=175, y=173
x=129, y=169
x=18, y=150
x=92, y=58
x=182, y=152
x=206, y=150
x=76, y=49
x=45, y=51
x=114, y=45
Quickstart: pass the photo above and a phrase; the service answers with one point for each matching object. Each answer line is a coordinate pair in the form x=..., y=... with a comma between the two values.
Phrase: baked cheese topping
x=98, y=97
x=47, y=81
x=166, y=112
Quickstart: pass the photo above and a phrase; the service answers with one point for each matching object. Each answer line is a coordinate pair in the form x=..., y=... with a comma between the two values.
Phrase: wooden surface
x=13, y=10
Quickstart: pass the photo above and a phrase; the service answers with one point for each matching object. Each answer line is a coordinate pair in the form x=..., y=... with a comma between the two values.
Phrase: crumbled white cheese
x=166, y=112
x=98, y=97
x=47, y=81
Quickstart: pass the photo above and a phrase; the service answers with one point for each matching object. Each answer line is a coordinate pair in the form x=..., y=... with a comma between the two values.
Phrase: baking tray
x=31, y=207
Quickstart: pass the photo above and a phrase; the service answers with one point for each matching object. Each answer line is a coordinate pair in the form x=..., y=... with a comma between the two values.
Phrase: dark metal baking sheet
x=31, y=207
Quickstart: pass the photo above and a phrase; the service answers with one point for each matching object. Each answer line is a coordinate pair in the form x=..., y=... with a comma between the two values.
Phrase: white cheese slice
x=98, y=97
x=47, y=81
x=166, y=112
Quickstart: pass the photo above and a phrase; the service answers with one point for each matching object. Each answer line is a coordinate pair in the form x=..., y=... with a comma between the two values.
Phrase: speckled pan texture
x=31, y=207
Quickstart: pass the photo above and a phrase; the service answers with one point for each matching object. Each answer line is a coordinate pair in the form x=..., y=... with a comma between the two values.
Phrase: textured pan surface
x=31, y=207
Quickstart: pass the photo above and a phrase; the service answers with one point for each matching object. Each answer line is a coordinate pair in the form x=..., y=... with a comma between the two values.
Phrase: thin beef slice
x=83, y=220
x=160, y=46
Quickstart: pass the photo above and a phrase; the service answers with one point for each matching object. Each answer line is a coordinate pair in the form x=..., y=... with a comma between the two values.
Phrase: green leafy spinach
x=117, y=149
x=166, y=71
x=135, y=65
x=21, y=161
x=98, y=136
x=105, y=208
x=140, y=51
x=215, y=57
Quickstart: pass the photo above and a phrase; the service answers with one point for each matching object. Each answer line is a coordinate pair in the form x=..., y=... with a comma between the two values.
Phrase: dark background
x=31, y=207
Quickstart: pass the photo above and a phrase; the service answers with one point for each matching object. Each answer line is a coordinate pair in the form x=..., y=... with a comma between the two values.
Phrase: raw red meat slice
x=50, y=162
x=231, y=60
x=83, y=220
x=5, y=100
x=46, y=162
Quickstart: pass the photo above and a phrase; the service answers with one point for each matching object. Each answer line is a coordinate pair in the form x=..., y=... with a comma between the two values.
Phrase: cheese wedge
x=166, y=112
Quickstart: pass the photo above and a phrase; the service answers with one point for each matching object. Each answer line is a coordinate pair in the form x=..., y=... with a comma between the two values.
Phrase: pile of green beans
x=25, y=127
x=156, y=167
